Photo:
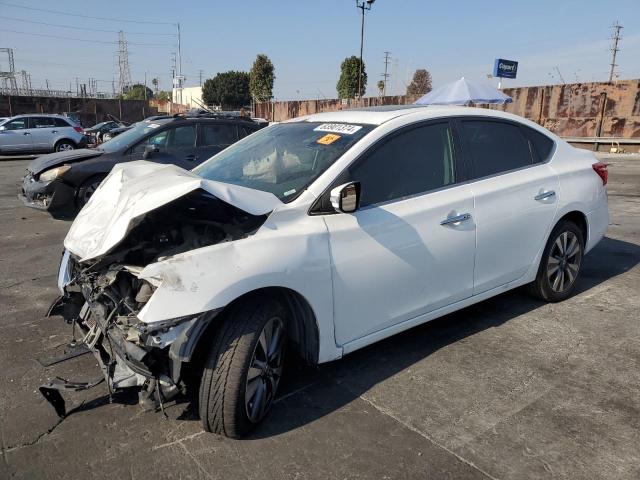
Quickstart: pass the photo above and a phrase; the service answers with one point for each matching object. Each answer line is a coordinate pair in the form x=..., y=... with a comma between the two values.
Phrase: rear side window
x=218, y=134
x=41, y=122
x=495, y=147
x=541, y=145
x=59, y=122
x=412, y=162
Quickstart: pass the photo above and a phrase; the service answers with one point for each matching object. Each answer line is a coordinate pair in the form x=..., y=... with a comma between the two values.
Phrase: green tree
x=421, y=83
x=136, y=92
x=228, y=89
x=348, y=82
x=261, y=79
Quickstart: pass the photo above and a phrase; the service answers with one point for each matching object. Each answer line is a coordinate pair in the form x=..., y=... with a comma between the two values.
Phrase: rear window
x=495, y=147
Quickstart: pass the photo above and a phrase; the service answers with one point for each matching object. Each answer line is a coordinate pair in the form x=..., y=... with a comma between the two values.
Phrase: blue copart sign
x=505, y=68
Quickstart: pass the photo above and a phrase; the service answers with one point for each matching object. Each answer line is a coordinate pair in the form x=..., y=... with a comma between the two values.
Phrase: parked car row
x=325, y=233
x=62, y=183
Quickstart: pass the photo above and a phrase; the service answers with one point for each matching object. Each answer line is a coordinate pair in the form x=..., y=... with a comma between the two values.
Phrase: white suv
x=40, y=133
x=326, y=233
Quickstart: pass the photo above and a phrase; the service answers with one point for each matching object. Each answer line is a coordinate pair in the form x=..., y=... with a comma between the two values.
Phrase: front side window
x=138, y=132
x=17, y=124
x=495, y=147
x=182, y=137
x=411, y=162
x=218, y=134
x=285, y=158
x=159, y=140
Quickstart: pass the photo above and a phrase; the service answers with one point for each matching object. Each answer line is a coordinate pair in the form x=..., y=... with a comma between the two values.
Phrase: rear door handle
x=54, y=131
x=191, y=157
x=26, y=133
x=544, y=195
x=457, y=219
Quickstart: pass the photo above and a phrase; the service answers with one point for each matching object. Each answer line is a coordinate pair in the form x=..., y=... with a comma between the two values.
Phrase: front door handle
x=54, y=131
x=545, y=195
x=26, y=133
x=191, y=157
x=456, y=219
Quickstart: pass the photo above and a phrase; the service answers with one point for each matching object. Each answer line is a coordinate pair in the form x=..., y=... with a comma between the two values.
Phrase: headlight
x=54, y=173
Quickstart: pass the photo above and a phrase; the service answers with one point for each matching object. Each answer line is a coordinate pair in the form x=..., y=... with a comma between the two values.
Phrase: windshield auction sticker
x=338, y=128
x=328, y=139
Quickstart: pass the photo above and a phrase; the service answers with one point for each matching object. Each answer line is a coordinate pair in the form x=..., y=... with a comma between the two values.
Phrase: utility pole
x=560, y=75
x=179, y=78
x=385, y=75
x=614, y=47
x=200, y=72
x=362, y=5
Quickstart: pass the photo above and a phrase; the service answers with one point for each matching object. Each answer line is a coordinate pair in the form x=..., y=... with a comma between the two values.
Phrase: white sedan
x=326, y=233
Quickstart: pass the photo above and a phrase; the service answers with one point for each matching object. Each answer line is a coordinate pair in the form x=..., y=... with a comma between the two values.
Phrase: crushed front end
x=103, y=297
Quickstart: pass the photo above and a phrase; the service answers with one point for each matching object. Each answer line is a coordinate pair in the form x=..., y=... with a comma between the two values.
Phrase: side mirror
x=346, y=198
x=149, y=150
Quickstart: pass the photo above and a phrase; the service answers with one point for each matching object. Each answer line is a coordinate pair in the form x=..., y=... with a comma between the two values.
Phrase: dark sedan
x=61, y=183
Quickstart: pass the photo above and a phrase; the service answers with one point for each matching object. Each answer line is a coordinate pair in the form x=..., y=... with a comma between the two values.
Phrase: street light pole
x=362, y=5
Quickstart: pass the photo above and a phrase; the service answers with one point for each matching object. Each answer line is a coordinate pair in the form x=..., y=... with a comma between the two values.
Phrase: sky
x=307, y=40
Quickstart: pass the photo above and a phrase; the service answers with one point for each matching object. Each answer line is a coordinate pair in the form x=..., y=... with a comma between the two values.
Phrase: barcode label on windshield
x=338, y=128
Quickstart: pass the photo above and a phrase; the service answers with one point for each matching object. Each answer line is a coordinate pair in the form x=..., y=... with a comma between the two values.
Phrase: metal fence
x=34, y=92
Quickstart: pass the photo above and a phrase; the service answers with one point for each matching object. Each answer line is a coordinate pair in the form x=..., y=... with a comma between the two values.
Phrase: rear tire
x=561, y=263
x=85, y=191
x=243, y=368
x=64, y=146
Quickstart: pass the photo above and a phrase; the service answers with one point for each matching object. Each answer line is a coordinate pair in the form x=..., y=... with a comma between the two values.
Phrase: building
x=191, y=96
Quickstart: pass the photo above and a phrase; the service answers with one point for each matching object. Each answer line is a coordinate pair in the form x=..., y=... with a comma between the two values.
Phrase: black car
x=98, y=130
x=61, y=183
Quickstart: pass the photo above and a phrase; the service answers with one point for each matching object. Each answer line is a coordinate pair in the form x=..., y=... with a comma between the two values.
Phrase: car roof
x=53, y=115
x=381, y=114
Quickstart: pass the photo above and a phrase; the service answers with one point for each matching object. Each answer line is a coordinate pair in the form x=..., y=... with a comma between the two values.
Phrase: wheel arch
x=65, y=139
x=302, y=331
x=580, y=219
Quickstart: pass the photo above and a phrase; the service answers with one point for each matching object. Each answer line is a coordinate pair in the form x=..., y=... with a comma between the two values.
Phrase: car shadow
x=309, y=393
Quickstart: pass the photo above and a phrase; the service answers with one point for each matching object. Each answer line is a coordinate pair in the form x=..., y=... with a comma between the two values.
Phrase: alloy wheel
x=89, y=191
x=564, y=260
x=265, y=370
x=65, y=147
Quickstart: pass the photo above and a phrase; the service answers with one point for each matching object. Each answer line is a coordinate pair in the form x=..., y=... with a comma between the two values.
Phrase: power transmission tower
x=124, y=73
x=9, y=76
x=614, y=47
x=385, y=75
x=560, y=75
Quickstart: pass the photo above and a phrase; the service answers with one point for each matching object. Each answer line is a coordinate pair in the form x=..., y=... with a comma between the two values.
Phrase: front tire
x=560, y=264
x=244, y=367
x=87, y=189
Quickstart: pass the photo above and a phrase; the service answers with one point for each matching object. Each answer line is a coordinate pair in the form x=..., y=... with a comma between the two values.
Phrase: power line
x=614, y=48
x=83, y=39
x=109, y=19
x=84, y=28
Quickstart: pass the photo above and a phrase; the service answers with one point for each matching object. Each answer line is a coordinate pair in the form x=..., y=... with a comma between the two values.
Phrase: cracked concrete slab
x=509, y=388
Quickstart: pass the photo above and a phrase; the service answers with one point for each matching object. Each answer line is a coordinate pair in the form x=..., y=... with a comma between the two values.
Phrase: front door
x=410, y=247
x=16, y=136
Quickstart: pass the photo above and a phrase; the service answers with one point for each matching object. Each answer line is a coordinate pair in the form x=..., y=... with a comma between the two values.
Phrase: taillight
x=78, y=129
x=601, y=169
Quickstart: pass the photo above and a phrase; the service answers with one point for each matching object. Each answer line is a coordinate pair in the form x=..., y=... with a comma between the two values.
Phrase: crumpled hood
x=135, y=188
x=51, y=160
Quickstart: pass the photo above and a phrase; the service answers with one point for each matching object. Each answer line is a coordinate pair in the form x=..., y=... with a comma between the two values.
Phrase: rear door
x=515, y=199
x=16, y=136
x=43, y=131
x=402, y=254
x=213, y=138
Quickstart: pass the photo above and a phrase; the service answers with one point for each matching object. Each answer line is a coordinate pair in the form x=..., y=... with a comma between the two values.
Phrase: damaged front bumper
x=130, y=353
x=55, y=197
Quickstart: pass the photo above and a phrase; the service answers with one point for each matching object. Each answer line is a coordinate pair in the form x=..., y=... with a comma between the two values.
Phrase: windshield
x=130, y=136
x=283, y=159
